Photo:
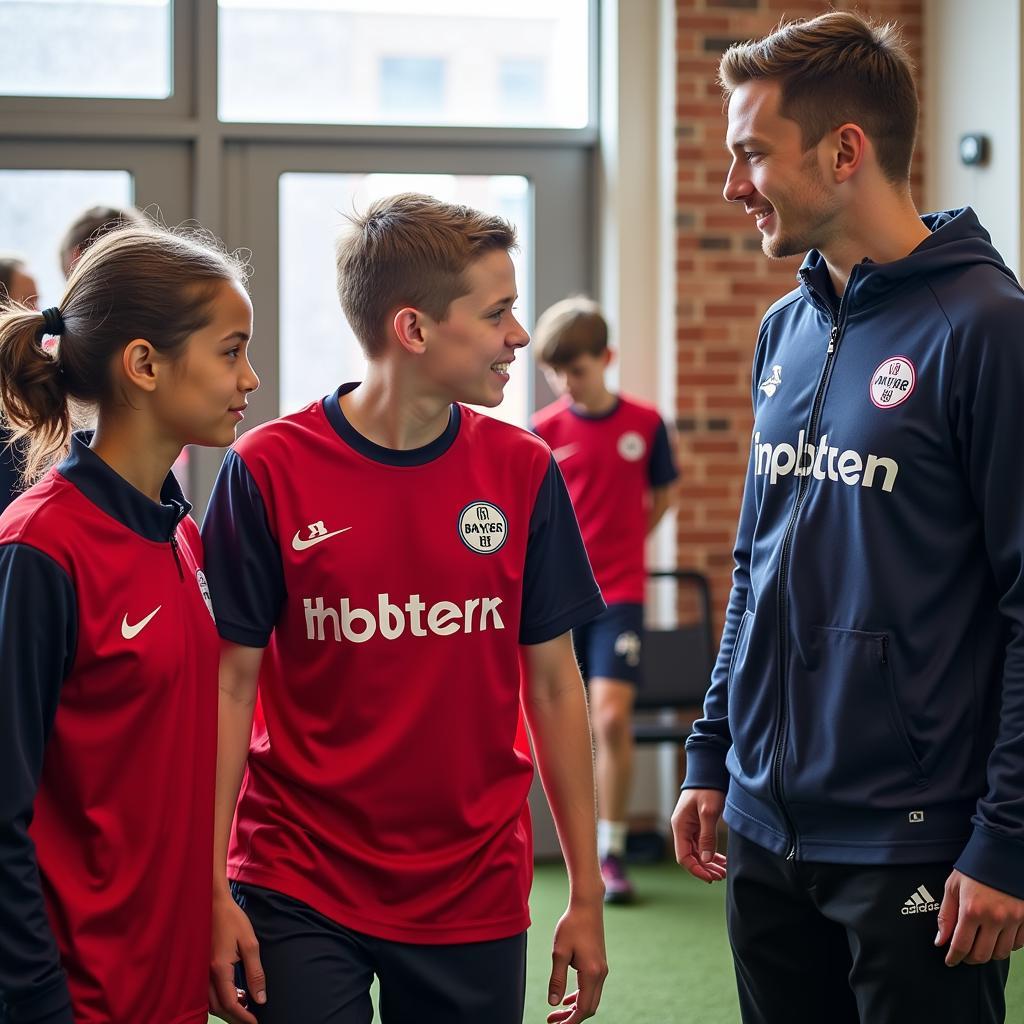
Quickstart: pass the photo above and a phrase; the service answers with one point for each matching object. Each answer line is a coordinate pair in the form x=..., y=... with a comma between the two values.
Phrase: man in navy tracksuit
x=864, y=729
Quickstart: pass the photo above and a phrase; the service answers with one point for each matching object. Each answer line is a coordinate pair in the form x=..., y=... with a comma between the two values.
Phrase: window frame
x=189, y=117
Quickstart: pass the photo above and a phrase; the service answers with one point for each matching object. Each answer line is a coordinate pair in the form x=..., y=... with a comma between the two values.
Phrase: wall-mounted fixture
x=973, y=150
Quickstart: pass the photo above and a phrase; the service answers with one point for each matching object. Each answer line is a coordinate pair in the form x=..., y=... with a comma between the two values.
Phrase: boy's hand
x=694, y=829
x=579, y=943
x=233, y=940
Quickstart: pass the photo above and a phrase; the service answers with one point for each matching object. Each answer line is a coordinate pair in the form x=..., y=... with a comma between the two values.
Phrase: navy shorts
x=319, y=971
x=610, y=646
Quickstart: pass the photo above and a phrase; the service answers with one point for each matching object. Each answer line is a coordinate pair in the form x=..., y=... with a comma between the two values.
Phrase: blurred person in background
x=91, y=225
x=16, y=283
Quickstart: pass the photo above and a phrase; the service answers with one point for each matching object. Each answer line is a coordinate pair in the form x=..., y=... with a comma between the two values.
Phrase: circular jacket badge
x=893, y=382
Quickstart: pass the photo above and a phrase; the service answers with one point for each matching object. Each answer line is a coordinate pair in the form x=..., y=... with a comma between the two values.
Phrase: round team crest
x=893, y=382
x=631, y=446
x=483, y=527
x=627, y=646
x=204, y=589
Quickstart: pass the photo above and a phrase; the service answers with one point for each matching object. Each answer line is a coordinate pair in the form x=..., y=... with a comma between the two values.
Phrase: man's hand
x=233, y=940
x=984, y=923
x=695, y=831
x=579, y=943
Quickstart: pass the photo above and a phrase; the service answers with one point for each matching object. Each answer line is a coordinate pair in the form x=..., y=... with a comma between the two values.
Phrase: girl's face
x=205, y=395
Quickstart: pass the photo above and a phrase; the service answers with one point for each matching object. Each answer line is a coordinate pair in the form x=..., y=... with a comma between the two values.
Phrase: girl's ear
x=139, y=365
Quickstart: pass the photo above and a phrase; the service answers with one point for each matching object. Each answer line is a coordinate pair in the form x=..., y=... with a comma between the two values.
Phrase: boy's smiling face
x=468, y=356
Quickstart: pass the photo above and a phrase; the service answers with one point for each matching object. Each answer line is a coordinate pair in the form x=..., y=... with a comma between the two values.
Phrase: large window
x=36, y=208
x=96, y=48
x=266, y=120
x=316, y=342
x=452, y=62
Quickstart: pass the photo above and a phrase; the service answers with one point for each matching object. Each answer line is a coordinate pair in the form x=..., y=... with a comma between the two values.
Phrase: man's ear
x=140, y=365
x=408, y=325
x=850, y=146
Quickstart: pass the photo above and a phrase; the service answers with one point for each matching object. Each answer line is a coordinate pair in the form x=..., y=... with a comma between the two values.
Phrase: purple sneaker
x=617, y=886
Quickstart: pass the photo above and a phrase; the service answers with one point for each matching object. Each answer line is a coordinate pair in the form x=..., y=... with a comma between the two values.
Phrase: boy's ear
x=608, y=357
x=408, y=324
x=139, y=364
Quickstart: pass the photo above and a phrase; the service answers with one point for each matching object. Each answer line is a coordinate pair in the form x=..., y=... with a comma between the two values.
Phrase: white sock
x=611, y=838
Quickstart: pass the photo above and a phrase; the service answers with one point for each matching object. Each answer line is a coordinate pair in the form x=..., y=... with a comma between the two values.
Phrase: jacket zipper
x=803, y=483
x=174, y=542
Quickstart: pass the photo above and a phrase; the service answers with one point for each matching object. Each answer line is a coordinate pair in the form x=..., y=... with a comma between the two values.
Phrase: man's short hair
x=568, y=329
x=410, y=250
x=93, y=224
x=834, y=69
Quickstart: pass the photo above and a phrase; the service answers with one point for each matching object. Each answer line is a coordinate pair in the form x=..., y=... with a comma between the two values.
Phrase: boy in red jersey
x=615, y=455
x=383, y=562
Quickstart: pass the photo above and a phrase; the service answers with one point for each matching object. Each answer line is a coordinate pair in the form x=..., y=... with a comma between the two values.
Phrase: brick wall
x=724, y=283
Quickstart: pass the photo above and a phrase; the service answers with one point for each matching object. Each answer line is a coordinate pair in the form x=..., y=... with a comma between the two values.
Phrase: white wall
x=636, y=280
x=972, y=61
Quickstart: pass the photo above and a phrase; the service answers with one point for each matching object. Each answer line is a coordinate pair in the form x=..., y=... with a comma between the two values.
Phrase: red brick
x=715, y=336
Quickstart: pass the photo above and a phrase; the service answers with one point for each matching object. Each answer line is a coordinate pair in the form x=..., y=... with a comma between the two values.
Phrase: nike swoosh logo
x=300, y=545
x=130, y=632
x=564, y=452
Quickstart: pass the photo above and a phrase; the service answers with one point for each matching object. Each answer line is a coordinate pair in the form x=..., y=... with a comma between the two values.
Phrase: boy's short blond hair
x=568, y=329
x=411, y=250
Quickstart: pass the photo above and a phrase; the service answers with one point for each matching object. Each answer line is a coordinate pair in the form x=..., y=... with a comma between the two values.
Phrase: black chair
x=677, y=666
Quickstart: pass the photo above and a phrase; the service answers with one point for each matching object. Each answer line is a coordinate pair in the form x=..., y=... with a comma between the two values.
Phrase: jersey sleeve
x=243, y=562
x=662, y=469
x=38, y=634
x=559, y=590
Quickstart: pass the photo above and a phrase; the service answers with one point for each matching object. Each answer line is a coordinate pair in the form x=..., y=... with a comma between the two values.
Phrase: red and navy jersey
x=392, y=590
x=610, y=463
x=108, y=734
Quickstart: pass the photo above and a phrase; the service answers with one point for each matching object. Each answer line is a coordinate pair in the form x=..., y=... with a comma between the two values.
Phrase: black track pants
x=848, y=944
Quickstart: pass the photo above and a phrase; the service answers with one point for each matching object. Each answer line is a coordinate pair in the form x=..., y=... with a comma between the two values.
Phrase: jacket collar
x=110, y=492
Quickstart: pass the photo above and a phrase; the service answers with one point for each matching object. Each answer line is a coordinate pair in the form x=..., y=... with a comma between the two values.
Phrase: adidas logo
x=922, y=902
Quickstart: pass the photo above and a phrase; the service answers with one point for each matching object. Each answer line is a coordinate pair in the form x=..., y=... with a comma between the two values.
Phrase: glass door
x=287, y=204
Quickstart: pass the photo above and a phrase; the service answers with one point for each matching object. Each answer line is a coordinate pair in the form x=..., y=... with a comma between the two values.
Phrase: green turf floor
x=668, y=955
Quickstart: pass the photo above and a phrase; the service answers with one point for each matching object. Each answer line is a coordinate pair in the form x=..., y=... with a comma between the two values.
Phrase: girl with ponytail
x=108, y=649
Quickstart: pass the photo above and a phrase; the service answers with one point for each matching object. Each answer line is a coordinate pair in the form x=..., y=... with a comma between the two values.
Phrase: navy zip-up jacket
x=867, y=704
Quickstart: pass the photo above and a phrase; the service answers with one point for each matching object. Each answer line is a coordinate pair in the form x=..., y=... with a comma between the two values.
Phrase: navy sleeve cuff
x=995, y=861
x=705, y=769
x=51, y=1006
x=582, y=613
x=241, y=635
x=662, y=469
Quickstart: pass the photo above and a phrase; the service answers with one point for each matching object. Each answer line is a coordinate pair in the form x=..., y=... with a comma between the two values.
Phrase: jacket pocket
x=739, y=649
x=752, y=693
x=849, y=740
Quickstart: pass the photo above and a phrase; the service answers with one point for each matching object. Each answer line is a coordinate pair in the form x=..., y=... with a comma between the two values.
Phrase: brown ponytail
x=138, y=282
x=32, y=394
